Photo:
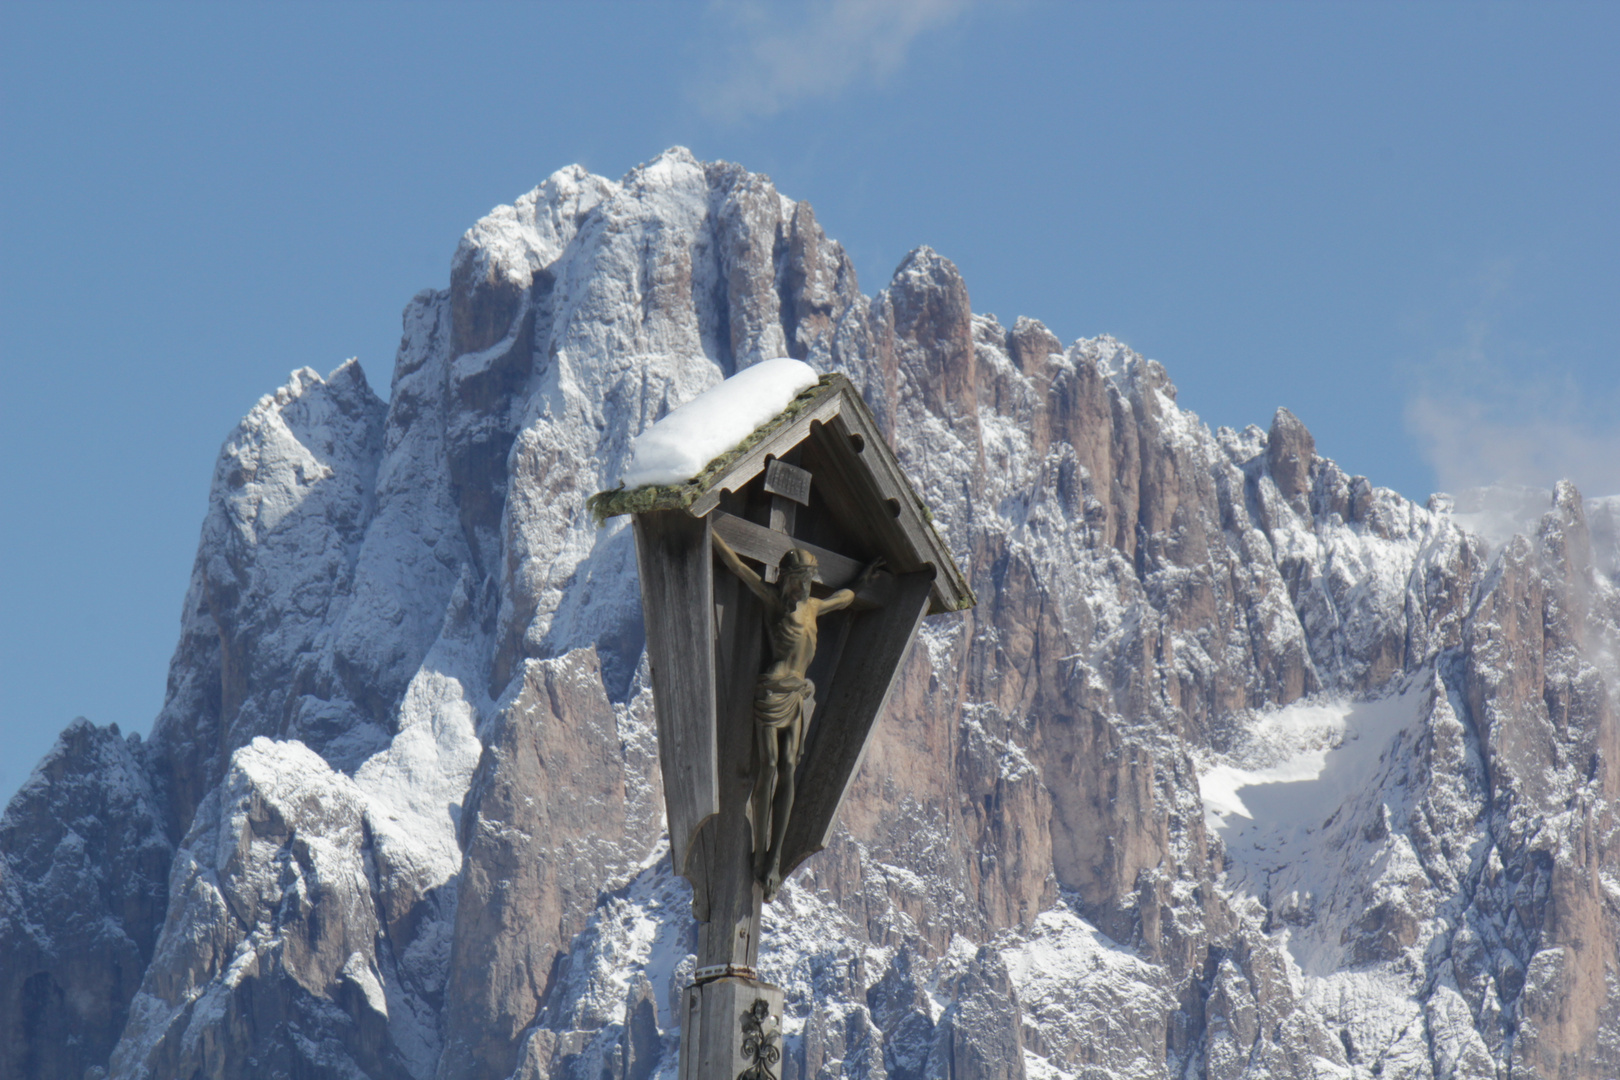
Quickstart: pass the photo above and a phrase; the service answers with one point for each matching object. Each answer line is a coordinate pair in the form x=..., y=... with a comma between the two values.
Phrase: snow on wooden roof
x=861, y=478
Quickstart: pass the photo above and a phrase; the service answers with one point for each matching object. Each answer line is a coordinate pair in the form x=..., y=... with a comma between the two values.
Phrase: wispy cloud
x=1494, y=411
x=776, y=55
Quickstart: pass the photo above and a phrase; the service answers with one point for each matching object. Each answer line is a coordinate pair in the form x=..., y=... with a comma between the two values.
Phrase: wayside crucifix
x=769, y=674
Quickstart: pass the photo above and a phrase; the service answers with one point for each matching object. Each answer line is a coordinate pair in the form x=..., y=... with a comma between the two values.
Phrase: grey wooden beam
x=677, y=573
x=768, y=546
x=883, y=477
x=726, y=896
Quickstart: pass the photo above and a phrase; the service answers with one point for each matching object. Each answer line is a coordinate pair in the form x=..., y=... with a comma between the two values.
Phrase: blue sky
x=1397, y=220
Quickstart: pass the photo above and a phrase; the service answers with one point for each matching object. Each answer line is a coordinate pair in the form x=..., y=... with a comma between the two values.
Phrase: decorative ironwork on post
x=769, y=675
x=760, y=1035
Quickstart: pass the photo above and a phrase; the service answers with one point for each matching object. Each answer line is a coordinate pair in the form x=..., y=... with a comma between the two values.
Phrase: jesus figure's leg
x=787, y=766
x=764, y=796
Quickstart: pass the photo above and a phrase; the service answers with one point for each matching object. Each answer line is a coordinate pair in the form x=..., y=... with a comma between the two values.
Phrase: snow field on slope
x=1312, y=846
x=690, y=436
x=1297, y=765
x=1285, y=746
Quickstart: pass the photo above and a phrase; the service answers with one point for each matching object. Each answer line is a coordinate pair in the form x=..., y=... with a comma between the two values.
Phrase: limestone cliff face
x=1241, y=768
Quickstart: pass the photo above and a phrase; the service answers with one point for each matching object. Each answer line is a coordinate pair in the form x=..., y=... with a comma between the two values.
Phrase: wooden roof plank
x=915, y=522
x=871, y=478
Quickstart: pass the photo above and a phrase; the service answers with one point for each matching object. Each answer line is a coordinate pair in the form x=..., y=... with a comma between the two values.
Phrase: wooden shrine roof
x=870, y=484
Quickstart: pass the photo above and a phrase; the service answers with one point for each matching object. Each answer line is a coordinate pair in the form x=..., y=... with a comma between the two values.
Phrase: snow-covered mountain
x=1242, y=767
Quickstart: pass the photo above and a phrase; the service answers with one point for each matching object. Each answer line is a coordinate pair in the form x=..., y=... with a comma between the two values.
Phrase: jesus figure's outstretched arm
x=844, y=597
x=734, y=563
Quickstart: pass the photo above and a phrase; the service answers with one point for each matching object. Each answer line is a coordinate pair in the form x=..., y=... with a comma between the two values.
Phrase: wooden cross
x=789, y=488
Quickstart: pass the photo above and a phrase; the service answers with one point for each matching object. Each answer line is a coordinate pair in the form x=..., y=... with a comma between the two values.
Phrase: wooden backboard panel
x=872, y=650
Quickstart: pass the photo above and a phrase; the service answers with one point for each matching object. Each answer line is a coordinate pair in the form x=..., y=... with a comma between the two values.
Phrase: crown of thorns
x=799, y=562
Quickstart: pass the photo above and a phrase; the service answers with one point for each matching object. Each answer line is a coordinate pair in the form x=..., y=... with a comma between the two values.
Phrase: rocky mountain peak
x=1290, y=449
x=1241, y=767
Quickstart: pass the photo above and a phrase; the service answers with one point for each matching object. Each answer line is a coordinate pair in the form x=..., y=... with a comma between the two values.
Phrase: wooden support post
x=725, y=1032
x=726, y=896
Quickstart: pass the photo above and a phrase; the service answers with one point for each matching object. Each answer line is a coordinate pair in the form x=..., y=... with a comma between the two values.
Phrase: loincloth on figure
x=780, y=699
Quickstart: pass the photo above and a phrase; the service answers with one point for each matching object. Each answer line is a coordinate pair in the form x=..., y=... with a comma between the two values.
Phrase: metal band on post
x=722, y=971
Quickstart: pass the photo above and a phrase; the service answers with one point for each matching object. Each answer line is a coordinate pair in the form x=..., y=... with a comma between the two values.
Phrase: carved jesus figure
x=783, y=697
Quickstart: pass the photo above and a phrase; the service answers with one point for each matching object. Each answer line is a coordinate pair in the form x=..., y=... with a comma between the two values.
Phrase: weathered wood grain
x=712, y=1028
x=677, y=575
x=861, y=504
x=878, y=486
x=885, y=507
x=728, y=930
x=870, y=485
x=789, y=481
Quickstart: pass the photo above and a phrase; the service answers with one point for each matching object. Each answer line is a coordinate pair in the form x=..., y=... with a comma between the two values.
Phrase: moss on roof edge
x=617, y=501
